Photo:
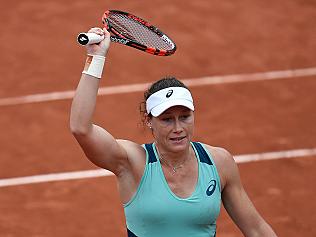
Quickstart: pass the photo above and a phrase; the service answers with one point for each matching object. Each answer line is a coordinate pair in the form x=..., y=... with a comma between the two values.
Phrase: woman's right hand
x=102, y=47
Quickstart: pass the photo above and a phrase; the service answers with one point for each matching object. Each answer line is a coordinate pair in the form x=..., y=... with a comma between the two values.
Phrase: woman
x=172, y=187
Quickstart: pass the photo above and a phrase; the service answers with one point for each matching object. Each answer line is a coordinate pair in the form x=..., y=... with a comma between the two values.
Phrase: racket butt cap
x=83, y=39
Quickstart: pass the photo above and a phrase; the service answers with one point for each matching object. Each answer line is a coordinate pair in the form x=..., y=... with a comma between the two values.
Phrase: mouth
x=177, y=139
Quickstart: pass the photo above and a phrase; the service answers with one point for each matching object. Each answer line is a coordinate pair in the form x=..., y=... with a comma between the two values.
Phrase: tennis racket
x=131, y=30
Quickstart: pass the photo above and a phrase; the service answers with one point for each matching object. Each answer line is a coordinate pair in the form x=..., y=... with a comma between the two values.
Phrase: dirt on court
x=40, y=55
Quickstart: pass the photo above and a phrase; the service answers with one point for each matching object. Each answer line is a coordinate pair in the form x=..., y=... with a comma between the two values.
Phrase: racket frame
x=118, y=37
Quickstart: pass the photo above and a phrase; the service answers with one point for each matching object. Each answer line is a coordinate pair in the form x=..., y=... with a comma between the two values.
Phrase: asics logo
x=170, y=92
x=211, y=188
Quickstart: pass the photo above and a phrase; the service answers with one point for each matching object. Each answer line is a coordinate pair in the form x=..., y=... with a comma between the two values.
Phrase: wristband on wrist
x=94, y=65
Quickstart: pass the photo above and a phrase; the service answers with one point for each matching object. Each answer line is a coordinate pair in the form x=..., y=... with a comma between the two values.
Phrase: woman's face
x=173, y=129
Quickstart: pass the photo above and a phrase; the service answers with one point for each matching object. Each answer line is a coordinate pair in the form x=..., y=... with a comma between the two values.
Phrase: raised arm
x=98, y=145
x=236, y=201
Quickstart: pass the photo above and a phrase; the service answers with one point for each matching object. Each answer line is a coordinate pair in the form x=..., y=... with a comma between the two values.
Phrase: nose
x=177, y=126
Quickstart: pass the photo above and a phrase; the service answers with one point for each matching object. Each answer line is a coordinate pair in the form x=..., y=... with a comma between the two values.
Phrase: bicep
x=237, y=203
x=102, y=149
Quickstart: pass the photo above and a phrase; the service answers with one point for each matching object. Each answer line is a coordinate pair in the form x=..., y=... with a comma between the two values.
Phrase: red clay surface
x=39, y=55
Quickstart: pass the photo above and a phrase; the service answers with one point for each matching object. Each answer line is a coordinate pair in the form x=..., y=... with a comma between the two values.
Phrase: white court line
x=101, y=172
x=130, y=88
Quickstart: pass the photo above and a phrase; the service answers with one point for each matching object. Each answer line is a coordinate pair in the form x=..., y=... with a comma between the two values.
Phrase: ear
x=148, y=121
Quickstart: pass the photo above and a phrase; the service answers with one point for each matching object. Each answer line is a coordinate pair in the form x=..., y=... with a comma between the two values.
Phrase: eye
x=166, y=119
x=185, y=116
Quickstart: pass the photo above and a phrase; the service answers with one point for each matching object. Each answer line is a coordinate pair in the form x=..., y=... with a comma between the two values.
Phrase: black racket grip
x=89, y=38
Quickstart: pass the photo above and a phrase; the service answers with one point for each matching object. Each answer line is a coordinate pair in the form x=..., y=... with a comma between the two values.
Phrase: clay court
x=251, y=68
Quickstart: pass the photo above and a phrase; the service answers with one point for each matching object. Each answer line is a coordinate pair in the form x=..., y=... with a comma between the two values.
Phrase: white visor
x=162, y=100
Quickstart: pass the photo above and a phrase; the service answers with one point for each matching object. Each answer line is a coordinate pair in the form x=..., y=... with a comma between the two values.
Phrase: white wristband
x=94, y=65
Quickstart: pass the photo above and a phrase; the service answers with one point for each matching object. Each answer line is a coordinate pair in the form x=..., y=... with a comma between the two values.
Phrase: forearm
x=84, y=101
x=247, y=218
x=83, y=105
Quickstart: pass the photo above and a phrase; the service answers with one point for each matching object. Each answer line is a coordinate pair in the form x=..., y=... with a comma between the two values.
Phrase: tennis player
x=172, y=187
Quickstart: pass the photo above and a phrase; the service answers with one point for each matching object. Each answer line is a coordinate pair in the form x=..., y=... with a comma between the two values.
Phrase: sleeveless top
x=155, y=211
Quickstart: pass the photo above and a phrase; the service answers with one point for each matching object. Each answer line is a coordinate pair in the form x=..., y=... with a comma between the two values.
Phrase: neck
x=173, y=158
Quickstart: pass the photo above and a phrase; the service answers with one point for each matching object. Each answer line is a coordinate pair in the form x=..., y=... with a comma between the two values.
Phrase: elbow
x=78, y=130
x=264, y=229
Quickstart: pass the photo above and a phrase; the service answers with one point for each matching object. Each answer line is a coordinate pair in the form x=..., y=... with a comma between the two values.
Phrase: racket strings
x=136, y=31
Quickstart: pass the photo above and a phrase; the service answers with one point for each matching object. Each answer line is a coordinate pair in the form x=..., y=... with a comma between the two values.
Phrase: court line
x=101, y=172
x=130, y=88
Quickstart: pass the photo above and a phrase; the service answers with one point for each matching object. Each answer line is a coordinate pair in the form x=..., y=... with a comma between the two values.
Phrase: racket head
x=139, y=33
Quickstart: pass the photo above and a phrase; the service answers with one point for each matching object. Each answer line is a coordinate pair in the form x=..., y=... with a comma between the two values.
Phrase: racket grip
x=89, y=38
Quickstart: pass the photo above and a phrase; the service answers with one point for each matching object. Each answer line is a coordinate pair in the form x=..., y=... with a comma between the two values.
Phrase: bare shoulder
x=220, y=155
x=224, y=162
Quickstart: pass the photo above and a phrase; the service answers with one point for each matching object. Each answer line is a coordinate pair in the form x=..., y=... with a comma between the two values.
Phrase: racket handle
x=89, y=38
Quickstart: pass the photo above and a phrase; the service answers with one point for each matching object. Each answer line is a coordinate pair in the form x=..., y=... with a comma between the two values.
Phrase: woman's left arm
x=237, y=203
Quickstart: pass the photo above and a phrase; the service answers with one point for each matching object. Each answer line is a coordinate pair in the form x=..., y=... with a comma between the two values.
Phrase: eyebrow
x=184, y=110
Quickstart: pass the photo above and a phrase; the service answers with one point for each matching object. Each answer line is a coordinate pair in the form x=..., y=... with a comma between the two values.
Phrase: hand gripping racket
x=130, y=30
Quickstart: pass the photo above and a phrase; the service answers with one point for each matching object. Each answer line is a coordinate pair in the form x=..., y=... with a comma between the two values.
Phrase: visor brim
x=159, y=109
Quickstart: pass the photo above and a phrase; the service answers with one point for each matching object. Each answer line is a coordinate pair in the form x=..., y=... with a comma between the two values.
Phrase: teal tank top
x=155, y=211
